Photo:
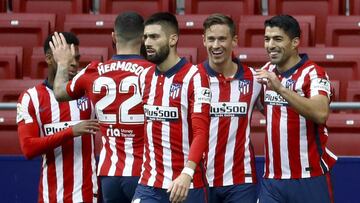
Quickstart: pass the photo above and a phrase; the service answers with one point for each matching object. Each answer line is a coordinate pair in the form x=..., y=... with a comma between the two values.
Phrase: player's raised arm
x=64, y=56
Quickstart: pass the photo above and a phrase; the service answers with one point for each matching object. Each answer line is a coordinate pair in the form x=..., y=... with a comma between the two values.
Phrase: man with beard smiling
x=62, y=134
x=297, y=162
x=176, y=99
x=230, y=160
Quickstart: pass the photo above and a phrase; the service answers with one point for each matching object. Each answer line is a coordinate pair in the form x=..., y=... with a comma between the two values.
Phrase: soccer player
x=230, y=160
x=62, y=133
x=112, y=88
x=296, y=98
x=176, y=99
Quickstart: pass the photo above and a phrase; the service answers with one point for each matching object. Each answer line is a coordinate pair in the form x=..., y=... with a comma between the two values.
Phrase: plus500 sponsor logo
x=161, y=113
x=52, y=128
x=227, y=109
x=274, y=98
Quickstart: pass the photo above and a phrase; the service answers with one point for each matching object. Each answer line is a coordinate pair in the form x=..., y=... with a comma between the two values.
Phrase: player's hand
x=63, y=53
x=269, y=79
x=179, y=188
x=86, y=127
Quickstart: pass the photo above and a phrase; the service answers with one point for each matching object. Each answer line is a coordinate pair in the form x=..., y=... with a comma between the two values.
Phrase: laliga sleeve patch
x=203, y=95
x=320, y=84
x=19, y=113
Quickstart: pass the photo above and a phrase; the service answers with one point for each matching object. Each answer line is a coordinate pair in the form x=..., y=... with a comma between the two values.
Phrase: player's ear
x=113, y=36
x=173, y=40
x=48, y=57
x=295, y=42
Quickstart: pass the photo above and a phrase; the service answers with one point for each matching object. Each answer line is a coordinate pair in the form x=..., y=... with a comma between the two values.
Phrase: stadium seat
x=190, y=53
x=3, y=6
x=58, y=7
x=26, y=30
x=251, y=30
x=354, y=7
x=92, y=30
x=336, y=86
x=254, y=57
x=143, y=7
x=191, y=31
x=10, y=62
x=340, y=63
x=320, y=8
x=343, y=31
x=10, y=89
x=39, y=67
x=344, y=137
x=353, y=91
x=230, y=7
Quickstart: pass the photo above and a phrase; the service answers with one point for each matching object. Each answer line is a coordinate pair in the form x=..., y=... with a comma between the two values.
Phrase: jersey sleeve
x=319, y=83
x=199, y=103
x=76, y=88
x=29, y=131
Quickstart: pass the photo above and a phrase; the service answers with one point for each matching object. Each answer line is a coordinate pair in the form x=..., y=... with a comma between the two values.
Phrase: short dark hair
x=69, y=37
x=165, y=19
x=129, y=25
x=220, y=19
x=285, y=22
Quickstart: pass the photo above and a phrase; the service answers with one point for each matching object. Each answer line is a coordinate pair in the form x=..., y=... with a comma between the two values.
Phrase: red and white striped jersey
x=295, y=146
x=68, y=172
x=230, y=159
x=171, y=100
x=112, y=88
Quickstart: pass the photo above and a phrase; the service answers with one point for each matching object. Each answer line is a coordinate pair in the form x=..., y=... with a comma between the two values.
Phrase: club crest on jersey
x=83, y=103
x=290, y=84
x=244, y=86
x=175, y=90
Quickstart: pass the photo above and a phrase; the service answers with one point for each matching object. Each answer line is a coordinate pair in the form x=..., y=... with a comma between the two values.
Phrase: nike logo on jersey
x=228, y=109
x=161, y=113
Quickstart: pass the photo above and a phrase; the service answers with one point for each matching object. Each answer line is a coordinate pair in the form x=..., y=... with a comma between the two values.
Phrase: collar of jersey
x=173, y=69
x=126, y=57
x=289, y=72
x=47, y=84
x=238, y=75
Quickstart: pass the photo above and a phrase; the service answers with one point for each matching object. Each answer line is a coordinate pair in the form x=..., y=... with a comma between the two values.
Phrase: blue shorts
x=147, y=194
x=246, y=193
x=315, y=189
x=118, y=188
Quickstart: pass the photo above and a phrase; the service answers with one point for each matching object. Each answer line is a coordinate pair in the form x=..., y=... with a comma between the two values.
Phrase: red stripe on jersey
x=67, y=154
x=120, y=152
x=145, y=174
x=293, y=143
x=50, y=158
x=276, y=142
x=157, y=135
x=87, y=142
x=104, y=168
x=222, y=140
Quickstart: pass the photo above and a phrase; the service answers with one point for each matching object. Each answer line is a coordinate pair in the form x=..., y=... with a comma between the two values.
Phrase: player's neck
x=128, y=50
x=169, y=62
x=228, y=68
x=291, y=62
